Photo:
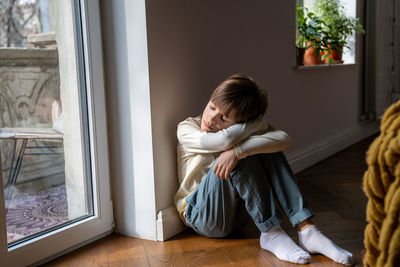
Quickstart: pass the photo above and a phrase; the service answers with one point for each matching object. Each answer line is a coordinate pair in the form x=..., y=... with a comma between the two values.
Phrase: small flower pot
x=335, y=55
x=312, y=57
x=300, y=56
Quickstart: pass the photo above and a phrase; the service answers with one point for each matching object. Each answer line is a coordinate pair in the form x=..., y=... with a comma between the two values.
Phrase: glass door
x=53, y=143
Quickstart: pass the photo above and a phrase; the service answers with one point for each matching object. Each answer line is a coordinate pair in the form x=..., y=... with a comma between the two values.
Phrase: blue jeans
x=218, y=207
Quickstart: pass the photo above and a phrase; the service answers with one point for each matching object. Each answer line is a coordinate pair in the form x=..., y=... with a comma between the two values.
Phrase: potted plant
x=337, y=27
x=310, y=37
x=300, y=49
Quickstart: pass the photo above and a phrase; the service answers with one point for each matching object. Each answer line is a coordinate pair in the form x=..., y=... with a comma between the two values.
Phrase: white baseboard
x=319, y=151
x=168, y=223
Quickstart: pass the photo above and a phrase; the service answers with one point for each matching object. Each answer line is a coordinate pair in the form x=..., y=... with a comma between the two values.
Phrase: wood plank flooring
x=333, y=188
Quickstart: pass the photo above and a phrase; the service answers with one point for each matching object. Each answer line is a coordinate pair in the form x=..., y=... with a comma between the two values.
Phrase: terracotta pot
x=300, y=56
x=311, y=58
x=335, y=55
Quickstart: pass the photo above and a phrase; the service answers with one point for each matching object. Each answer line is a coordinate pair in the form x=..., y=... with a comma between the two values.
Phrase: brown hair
x=241, y=94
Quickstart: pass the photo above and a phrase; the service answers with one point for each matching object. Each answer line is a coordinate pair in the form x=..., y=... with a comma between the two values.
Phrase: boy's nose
x=213, y=116
x=211, y=120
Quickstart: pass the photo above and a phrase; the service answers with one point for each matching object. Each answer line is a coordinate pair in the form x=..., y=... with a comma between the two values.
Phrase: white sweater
x=198, y=149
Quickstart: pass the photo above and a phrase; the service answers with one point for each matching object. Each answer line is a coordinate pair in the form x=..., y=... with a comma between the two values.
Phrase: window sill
x=324, y=66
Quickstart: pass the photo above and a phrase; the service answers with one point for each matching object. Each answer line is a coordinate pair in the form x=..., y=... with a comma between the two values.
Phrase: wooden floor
x=333, y=188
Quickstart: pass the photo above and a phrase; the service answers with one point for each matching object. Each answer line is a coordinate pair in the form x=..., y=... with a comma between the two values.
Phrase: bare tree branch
x=9, y=13
x=29, y=18
x=17, y=19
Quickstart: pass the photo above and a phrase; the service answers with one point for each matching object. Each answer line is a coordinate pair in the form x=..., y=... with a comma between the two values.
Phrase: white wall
x=192, y=47
x=128, y=101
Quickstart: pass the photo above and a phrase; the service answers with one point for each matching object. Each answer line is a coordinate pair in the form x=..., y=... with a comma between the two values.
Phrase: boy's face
x=213, y=120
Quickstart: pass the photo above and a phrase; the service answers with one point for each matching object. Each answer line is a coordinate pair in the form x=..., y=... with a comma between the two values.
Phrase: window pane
x=43, y=125
x=350, y=11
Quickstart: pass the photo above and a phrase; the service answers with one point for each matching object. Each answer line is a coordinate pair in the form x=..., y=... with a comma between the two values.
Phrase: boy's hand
x=225, y=163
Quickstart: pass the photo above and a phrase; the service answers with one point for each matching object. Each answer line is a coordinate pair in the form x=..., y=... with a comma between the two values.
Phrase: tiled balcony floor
x=33, y=212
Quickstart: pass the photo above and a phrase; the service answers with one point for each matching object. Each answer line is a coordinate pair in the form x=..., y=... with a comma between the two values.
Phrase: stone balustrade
x=29, y=93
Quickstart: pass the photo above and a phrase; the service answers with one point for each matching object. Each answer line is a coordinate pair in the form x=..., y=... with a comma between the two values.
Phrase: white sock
x=283, y=247
x=313, y=241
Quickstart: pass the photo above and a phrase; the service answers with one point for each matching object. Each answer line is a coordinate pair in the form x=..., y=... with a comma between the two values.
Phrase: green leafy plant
x=310, y=31
x=337, y=25
x=326, y=29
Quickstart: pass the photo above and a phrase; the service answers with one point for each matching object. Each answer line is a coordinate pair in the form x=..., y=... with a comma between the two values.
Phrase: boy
x=230, y=163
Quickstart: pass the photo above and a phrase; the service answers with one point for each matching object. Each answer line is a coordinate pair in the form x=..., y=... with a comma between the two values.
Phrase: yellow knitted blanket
x=382, y=186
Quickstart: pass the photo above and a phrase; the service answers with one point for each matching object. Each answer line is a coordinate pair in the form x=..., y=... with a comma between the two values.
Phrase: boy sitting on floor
x=230, y=163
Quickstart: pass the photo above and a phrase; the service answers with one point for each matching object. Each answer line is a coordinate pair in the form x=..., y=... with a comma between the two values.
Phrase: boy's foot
x=282, y=246
x=313, y=241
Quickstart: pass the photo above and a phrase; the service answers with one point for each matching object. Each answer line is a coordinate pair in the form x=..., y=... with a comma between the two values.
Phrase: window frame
x=353, y=63
x=49, y=245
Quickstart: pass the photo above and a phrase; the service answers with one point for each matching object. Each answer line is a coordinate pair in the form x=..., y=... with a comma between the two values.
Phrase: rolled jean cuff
x=301, y=216
x=270, y=223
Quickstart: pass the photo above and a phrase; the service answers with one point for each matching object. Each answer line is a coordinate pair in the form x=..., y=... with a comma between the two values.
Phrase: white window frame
x=62, y=240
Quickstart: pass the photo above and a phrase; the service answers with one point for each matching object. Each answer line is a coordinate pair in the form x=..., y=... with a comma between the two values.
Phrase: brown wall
x=194, y=45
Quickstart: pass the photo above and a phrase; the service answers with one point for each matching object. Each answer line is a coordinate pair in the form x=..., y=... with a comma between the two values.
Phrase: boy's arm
x=198, y=141
x=269, y=142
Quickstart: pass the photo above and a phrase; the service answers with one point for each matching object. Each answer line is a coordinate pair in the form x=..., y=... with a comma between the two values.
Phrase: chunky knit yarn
x=382, y=186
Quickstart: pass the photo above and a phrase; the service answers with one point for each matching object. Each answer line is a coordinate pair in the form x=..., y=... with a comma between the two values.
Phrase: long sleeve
x=269, y=142
x=195, y=140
